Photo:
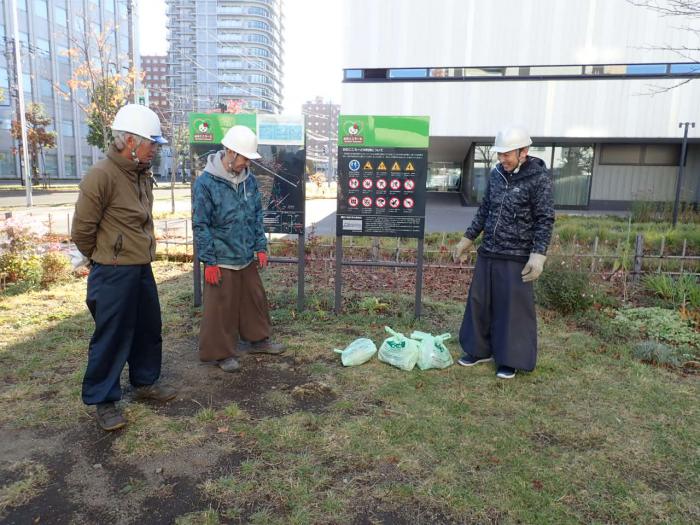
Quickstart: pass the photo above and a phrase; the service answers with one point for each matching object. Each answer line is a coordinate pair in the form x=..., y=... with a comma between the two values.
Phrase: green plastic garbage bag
x=432, y=352
x=399, y=351
x=359, y=351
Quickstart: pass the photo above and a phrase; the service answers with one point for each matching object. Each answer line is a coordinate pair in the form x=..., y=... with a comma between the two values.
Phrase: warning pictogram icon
x=409, y=184
x=395, y=184
x=381, y=184
x=409, y=167
x=368, y=166
x=381, y=202
x=354, y=183
x=408, y=203
x=353, y=201
x=381, y=167
x=367, y=184
x=395, y=166
x=367, y=202
x=394, y=202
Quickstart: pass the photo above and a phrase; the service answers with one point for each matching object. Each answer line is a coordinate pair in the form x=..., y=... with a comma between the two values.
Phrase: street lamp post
x=681, y=165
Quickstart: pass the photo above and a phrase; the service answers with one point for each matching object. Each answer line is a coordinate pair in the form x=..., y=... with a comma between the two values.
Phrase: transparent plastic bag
x=399, y=351
x=358, y=352
x=432, y=351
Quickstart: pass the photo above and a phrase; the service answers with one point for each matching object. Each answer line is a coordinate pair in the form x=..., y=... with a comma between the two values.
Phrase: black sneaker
x=470, y=360
x=109, y=416
x=505, y=372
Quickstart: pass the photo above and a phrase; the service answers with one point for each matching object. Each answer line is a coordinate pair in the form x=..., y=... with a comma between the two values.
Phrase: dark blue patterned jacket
x=517, y=212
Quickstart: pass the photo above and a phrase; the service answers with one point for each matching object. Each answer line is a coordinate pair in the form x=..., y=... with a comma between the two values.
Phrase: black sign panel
x=280, y=176
x=381, y=192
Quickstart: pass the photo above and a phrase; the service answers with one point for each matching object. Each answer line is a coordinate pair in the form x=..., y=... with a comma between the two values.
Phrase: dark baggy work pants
x=499, y=319
x=123, y=301
x=237, y=307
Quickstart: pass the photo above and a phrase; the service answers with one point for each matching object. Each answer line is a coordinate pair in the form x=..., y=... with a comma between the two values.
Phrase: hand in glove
x=212, y=275
x=461, y=251
x=533, y=267
x=262, y=259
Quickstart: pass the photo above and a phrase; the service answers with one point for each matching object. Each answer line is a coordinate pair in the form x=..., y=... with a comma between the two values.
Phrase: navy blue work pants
x=499, y=318
x=123, y=301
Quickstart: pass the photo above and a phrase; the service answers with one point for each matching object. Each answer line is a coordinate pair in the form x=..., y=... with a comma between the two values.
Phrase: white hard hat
x=243, y=141
x=510, y=139
x=139, y=120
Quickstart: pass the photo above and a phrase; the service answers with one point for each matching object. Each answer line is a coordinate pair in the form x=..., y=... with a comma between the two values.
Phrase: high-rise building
x=321, y=125
x=223, y=50
x=47, y=30
x=155, y=83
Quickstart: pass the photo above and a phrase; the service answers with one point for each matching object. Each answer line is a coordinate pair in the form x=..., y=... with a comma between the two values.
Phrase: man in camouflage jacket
x=516, y=217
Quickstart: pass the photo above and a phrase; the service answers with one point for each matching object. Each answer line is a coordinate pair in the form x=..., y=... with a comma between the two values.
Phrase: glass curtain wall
x=444, y=176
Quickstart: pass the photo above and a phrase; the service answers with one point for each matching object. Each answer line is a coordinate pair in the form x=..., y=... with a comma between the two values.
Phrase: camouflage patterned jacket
x=227, y=219
x=517, y=212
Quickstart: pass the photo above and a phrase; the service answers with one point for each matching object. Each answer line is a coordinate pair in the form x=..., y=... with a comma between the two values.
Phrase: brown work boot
x=109, y=417
x=155, y=392
x=267, y=347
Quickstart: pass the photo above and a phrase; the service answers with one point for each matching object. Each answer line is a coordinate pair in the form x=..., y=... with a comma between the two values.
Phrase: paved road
x=444, y=212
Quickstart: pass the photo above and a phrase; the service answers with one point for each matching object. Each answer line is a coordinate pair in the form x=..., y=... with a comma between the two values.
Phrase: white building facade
x=595, y=82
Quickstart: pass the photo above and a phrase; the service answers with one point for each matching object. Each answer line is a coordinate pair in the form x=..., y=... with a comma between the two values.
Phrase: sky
x=312, y=50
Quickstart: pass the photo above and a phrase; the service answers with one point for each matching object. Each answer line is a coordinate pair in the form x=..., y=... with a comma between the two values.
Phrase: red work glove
x=212, y=275
x=262, y=259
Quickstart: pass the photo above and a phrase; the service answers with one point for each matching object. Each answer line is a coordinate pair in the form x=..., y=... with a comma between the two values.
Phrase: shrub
x=56, y=267
x=21, y=267
x=660, y=324
x=564, y=291
x=677, y=291
x=656, y=353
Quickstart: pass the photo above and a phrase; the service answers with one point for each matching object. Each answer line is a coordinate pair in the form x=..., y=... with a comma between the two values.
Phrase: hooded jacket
x=227, y=216
x=516, y=213
x=113, y=220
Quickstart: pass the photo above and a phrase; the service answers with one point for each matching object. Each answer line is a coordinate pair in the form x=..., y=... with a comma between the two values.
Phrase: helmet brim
x=158, y=139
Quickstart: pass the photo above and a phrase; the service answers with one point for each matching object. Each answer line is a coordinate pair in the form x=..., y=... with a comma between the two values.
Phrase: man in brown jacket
x=113, y=228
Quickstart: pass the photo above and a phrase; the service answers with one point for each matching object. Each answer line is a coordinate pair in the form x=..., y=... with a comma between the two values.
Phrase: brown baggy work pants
x=237, y=307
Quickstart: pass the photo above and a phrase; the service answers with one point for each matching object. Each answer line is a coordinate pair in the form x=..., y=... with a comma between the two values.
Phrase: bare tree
x=38, y=136
x=685, y=11
x=100, y=84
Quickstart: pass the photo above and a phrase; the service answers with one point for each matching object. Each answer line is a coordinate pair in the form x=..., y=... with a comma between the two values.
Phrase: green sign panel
x=210, y=128
x=383, y=131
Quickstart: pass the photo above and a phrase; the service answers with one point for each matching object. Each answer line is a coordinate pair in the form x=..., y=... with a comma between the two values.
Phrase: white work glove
x=533, y=267
x=77, y=259
x=461, y=251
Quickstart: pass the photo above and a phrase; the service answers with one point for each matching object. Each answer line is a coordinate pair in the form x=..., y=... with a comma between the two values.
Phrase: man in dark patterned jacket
x=516, y=216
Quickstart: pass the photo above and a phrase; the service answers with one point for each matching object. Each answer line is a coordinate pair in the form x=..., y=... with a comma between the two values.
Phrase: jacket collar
x=125, y=165
x=531, y=166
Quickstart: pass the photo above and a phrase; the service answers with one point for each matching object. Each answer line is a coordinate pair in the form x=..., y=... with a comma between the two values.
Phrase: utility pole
x=681, y=165
x=130, y=22
x=20, y=98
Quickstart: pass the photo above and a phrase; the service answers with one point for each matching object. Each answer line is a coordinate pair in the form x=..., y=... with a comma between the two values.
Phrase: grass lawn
x=592, y=436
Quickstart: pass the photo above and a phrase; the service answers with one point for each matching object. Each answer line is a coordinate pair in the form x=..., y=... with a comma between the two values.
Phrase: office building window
x=640, y=154
x=408, y=73
x=4, y=86
x=69, y=170
x=572, y=167
x=41, y=9
x=44, y=46
x=67, y=128
x=443, y=176
x=51, y=165
x=7, y=164
x=85, y=163
x=46, y=88
x=60, y=16
x=27, y=84
x=22, y=5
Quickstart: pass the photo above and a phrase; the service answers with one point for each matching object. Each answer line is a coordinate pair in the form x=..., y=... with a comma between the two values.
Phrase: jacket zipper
x=500, y=209
x=143, y=226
